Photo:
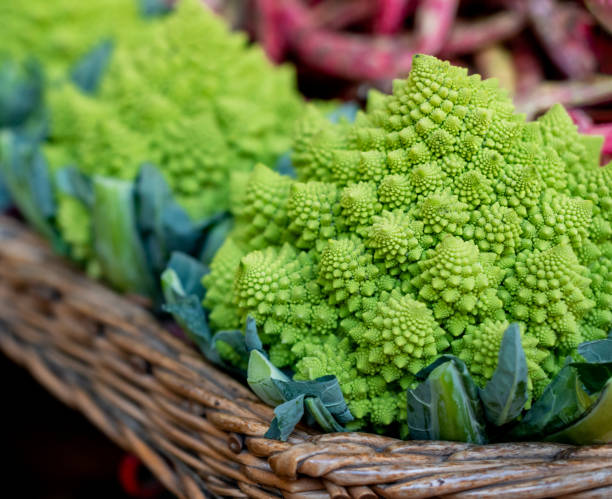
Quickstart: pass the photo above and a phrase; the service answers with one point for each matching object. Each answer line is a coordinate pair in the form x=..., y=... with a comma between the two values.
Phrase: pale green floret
x=229, y=109
x=422, y=229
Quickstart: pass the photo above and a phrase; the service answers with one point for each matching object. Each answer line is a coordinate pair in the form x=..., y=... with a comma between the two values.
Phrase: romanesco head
x=58, y=33
x=229, y=108
x=425, y=228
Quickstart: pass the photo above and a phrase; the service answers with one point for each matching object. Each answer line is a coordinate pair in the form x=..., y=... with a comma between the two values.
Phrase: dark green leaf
x=316, y=408
x=446, y=406
x=88, y=71
x=593, y=376
x=5, y=198
x=594, y=427
x=326, y=388
x=75, y=183
x=261, y=377
x=286, y=416
x=235, y=339
x=562, y=402
x=597, y=369
x=443, y=359
x=189, y=272
x=505, y=395
x=597, y=352
x=155, y=8
x=26, y=176
x=251, y=338
x=117, y=243
x=164, y=225
x=21, y=91
x=215, y=238
x=189, y=314
x=187, y=309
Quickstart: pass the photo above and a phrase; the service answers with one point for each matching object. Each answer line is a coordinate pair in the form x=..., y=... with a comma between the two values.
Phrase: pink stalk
x=390, y=15
x=563, y=30
x=570, y=93
x=268, y=30
x=602, y=11
x=337, y=14
x=528, y=70
x=582, y=120
x=466, y=37
x=354, y=57
x=433, y=21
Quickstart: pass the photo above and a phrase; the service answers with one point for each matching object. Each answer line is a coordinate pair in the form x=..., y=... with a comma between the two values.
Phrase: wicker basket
x=202, y=432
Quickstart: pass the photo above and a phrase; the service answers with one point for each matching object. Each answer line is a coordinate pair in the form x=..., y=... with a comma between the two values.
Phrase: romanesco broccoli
x=227, y=109
x=58, y=33
x=424, y=228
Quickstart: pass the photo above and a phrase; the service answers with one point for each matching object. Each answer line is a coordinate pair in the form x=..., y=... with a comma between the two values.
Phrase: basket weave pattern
x=201, y=432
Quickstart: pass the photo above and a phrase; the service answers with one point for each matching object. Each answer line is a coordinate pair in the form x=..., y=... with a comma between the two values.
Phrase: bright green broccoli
x=422, y=229
x=228, y=109
x=58, y=33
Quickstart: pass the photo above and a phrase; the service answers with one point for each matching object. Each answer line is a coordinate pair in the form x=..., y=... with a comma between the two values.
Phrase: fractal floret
x=229, y=109
x=424, y=228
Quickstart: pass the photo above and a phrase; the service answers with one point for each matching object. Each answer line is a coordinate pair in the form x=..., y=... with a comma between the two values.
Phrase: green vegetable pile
x=185, y=95
x=178, y=94
x=58, y=33
x=419, y=232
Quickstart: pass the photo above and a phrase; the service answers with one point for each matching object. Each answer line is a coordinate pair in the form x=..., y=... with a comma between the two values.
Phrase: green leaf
x=505, y=395
x=117, y=243
x=189, y=273
x=597, y=352
x=326, y=388
x=597, y=369
x=321, y=415
x=88, y=71
x=595, y=427
x=262, y=376
x=165, y=227
x=154, y=8
x=446, y=406
x=25, y=173
x=251, y=338
x=180, y=286
x=189, y=314
x=21, y=91
x=593, y=376
x=5, y=198
x=562, y=402
x=75, y=183
x=286, y=417
x=215, y=238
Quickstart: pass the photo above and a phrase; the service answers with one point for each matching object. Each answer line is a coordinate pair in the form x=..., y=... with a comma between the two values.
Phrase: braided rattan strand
x=201, y=432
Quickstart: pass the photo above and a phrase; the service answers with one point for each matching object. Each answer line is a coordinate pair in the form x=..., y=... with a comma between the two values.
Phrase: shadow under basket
x=201, y=432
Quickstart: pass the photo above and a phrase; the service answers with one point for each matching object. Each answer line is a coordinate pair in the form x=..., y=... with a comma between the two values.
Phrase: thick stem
x=433, y=21
x=466, y=37
x=569, y=93
x=563, y=30
x=390, y=15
